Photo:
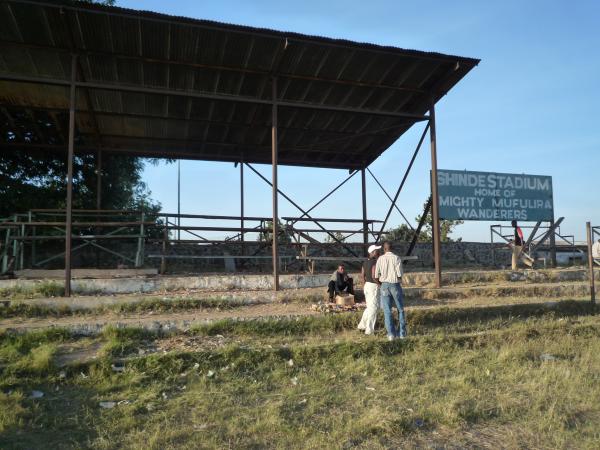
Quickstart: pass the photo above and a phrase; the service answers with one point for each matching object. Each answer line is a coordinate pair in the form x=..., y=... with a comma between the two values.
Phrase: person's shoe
x=391, y=338
x=369, y=334
x=401, y=337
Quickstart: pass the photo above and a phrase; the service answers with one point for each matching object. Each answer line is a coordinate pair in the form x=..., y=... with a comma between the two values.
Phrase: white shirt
x=596, y=250
x=388, y=268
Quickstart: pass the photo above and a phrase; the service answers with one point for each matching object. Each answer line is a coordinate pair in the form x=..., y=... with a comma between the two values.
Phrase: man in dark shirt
x=340, y=282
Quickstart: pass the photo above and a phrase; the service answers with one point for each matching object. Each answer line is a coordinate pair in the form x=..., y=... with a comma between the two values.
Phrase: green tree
x=37, y=179
x=283, y=236
x=339, y=236
x=404, y=233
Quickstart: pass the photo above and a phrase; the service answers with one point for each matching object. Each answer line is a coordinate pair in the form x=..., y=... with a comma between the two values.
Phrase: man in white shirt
x=596, y=252
x=388, y=272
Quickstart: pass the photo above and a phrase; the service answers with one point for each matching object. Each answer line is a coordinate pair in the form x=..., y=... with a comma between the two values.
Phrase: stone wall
x=454, y=254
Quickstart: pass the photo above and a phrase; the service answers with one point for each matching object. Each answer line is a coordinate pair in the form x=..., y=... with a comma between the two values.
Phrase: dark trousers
x=348, y=286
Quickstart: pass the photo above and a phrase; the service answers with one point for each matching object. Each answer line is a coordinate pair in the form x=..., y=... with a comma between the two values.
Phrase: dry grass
x=503, y=377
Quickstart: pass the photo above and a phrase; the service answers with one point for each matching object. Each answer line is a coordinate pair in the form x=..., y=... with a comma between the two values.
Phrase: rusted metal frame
x=325, y=197
x=301, y=210
x=410, y=164
x=75, y=237
x=207, y=96
x=244, y=31
x=328, y=219
x=417, y=232
x=435, y=209
x=275, y=190
x=421, y=83
x=242, y=206
x=309, y=148
x=553, y=244
x=159, y=152
x=80, y=75
x=70, y=156
x=589, y=234
x=243, y=71
x=551, y=230
x=74, y=249
x=533, y=233
x=391, y=200
x=187, y=119
x=365, y=228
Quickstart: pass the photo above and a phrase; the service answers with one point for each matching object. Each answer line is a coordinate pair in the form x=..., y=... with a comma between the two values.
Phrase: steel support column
x=242, y=206
x=552, y=245
x=590, y=238
x=99, y=180
x=274, y=183
x=435, y=212
x=364, y=210
x=69, y=212
x=179, y=199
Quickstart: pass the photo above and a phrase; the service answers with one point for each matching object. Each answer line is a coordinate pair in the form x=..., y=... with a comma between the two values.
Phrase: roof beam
x=207, y=96
x=243, y=71
x=175, y=154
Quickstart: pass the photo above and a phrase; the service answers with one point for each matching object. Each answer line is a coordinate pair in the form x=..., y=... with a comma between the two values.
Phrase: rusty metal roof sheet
x=161, y=86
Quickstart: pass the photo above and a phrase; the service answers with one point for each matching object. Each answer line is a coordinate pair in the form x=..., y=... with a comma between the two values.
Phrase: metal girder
x=302, y=210
x=412, y=160
x=207, y=96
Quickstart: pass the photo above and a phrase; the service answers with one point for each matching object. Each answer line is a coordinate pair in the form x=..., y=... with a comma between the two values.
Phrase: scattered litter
x=302, y=402
x=295, y=381
x=368, y=388
x=124, y=402
x=83, y=375
x=165, y=396
x=150, y=406
x=107, y=405
x=210, y=374
x=183, y=374
x=141, y=351
x=330, y=307
x=196, y=366
x=36, y=394
x=118, y=367
x=290, y=363
x=547, y=357
x=419, y=423
x=62, y=375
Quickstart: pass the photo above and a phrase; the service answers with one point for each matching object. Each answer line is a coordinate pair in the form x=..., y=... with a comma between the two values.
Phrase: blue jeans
x=389, y=292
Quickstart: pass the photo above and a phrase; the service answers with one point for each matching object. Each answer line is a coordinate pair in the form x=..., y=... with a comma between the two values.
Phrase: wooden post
x=274, y=151
x=69, y=214
x=590, y=262
x=435, y=212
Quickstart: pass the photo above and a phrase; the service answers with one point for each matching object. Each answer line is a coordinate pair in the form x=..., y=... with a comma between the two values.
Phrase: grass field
x=502, y=377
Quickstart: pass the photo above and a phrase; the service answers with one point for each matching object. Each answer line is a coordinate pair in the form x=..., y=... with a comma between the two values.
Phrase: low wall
x=454, y=254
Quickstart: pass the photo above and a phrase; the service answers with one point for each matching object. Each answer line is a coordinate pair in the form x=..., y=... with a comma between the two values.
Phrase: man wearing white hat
x=371, y=290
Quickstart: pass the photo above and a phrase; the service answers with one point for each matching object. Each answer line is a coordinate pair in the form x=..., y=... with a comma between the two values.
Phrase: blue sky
x=530, y=106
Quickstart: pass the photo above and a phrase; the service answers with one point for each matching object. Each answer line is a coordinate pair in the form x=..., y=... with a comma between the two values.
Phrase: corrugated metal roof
x=158, y=85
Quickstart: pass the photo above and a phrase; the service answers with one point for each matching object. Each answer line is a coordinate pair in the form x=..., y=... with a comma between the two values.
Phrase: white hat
x=372, y=248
